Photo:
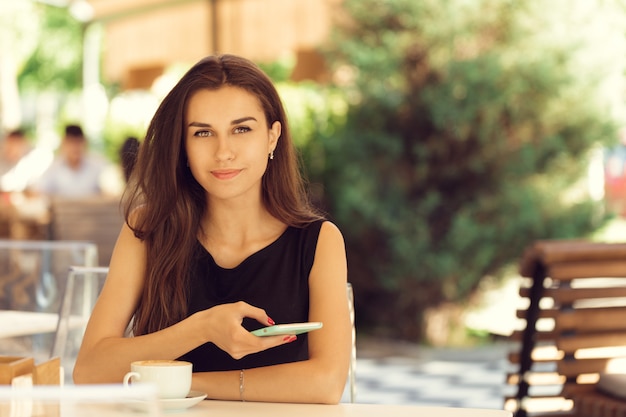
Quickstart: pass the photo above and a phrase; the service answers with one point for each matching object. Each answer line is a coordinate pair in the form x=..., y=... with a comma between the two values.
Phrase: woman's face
x=228, y=142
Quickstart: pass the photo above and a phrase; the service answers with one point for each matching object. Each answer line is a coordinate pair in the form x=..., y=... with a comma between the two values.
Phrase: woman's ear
x=274, y=135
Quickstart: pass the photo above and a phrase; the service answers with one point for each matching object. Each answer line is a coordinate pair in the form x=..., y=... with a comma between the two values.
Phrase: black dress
x=276, y=279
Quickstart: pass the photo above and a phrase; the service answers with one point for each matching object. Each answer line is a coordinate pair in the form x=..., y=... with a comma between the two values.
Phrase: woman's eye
x=202, y=133
x=241, y=129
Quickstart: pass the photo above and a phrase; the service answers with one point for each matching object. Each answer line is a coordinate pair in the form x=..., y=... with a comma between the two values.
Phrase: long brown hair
x=172, y=202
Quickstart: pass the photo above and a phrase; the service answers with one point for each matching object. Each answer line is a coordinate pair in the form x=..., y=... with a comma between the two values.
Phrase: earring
x=271, y=154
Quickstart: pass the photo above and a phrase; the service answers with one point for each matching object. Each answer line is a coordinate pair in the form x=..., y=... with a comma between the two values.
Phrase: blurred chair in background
x=83, y=285
x=33, y=277
x=575, y=326
x=95, y=219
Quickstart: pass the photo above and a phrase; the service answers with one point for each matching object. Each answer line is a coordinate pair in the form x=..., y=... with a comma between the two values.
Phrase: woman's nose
x=224, y=150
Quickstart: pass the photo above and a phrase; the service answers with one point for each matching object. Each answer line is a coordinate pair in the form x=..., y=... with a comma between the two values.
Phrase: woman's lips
x=225, y=174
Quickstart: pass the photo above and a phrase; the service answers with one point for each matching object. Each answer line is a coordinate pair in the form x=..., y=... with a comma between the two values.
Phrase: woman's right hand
x=222, y=325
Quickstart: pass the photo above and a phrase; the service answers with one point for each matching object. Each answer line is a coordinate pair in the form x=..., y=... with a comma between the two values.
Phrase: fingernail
x=270, y=321
x=289, y=339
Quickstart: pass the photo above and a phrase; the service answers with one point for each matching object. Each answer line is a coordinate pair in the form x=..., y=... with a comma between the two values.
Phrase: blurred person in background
x=128, y=155
x=75, y=173
x=20, y=164
x=23, y=215
x=14, y=147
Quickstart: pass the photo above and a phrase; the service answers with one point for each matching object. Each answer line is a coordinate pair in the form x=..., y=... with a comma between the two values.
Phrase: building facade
x=141, y=38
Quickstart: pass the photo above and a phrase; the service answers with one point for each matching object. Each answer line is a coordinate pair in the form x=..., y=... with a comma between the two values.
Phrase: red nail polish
x=290, y=339
x=270, y=321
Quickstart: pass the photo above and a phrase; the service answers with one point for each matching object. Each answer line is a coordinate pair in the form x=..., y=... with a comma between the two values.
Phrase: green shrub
x=466, y=138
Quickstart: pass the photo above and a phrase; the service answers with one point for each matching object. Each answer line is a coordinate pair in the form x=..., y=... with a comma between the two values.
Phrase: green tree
x=56, y=62
x=17, y=41
x=467, y=136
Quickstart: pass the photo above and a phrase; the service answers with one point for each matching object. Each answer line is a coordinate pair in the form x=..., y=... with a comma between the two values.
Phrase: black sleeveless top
x=276, y=279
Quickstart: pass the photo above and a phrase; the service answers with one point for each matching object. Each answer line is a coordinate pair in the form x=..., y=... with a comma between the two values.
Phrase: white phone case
x=291, y=328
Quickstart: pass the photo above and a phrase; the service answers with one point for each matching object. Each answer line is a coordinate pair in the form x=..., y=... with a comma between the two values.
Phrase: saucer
x=193, y=398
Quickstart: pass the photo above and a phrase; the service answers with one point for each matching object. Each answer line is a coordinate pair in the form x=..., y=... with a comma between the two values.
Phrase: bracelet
x=241, y=386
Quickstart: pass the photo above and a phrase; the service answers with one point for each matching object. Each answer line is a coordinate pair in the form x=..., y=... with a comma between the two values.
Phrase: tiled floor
x=403, y=374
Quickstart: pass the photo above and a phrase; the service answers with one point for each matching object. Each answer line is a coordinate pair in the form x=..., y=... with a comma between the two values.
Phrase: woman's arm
x=105, y=354
x=322, y=378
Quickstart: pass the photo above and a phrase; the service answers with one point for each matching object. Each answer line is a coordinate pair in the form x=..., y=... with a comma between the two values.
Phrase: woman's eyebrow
x=199, y=124
x=243, y=119
x=234, y=122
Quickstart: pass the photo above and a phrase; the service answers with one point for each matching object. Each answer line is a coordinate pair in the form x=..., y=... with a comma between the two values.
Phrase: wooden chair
x=597, y=404
x=94, y=219
x=575, y=323
x=46, y=373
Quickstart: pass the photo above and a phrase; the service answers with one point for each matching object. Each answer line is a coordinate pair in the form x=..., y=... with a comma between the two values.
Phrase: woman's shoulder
x=322, y=232
x=327, y=225
x=330, y=231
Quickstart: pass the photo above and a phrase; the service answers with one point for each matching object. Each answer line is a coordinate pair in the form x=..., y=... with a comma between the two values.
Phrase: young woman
x=220, y=240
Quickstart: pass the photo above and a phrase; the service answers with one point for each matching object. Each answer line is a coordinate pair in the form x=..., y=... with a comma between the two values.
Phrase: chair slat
x=570, y=344
x=570, y=271
x=576, y=367
x=563, y=296
x=592, y=319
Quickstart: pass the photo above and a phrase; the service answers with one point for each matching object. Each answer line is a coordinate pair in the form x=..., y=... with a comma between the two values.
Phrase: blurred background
x=443, y=137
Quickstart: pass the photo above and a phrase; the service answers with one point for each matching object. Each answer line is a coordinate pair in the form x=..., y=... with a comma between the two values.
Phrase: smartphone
x=291, y=328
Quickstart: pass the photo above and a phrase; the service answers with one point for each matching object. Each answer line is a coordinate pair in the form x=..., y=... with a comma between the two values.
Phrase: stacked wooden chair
x=575, y=324
x=93, y=219
x=22, y=375
x=12, y=368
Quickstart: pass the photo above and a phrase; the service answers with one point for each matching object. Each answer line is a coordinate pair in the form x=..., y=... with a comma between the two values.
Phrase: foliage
x=467, y=134
x=18, y=29
x=55, y=64
x=279, y=70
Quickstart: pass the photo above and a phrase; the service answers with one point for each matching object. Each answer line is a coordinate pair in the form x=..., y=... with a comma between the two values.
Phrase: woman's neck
x=232, y=236
x=228, y=222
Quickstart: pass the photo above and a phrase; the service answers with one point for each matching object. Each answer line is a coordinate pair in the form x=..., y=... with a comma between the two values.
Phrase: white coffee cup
x=172, y=378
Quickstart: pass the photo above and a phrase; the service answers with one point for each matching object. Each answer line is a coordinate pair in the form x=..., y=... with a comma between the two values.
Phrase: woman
x=220, y=240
